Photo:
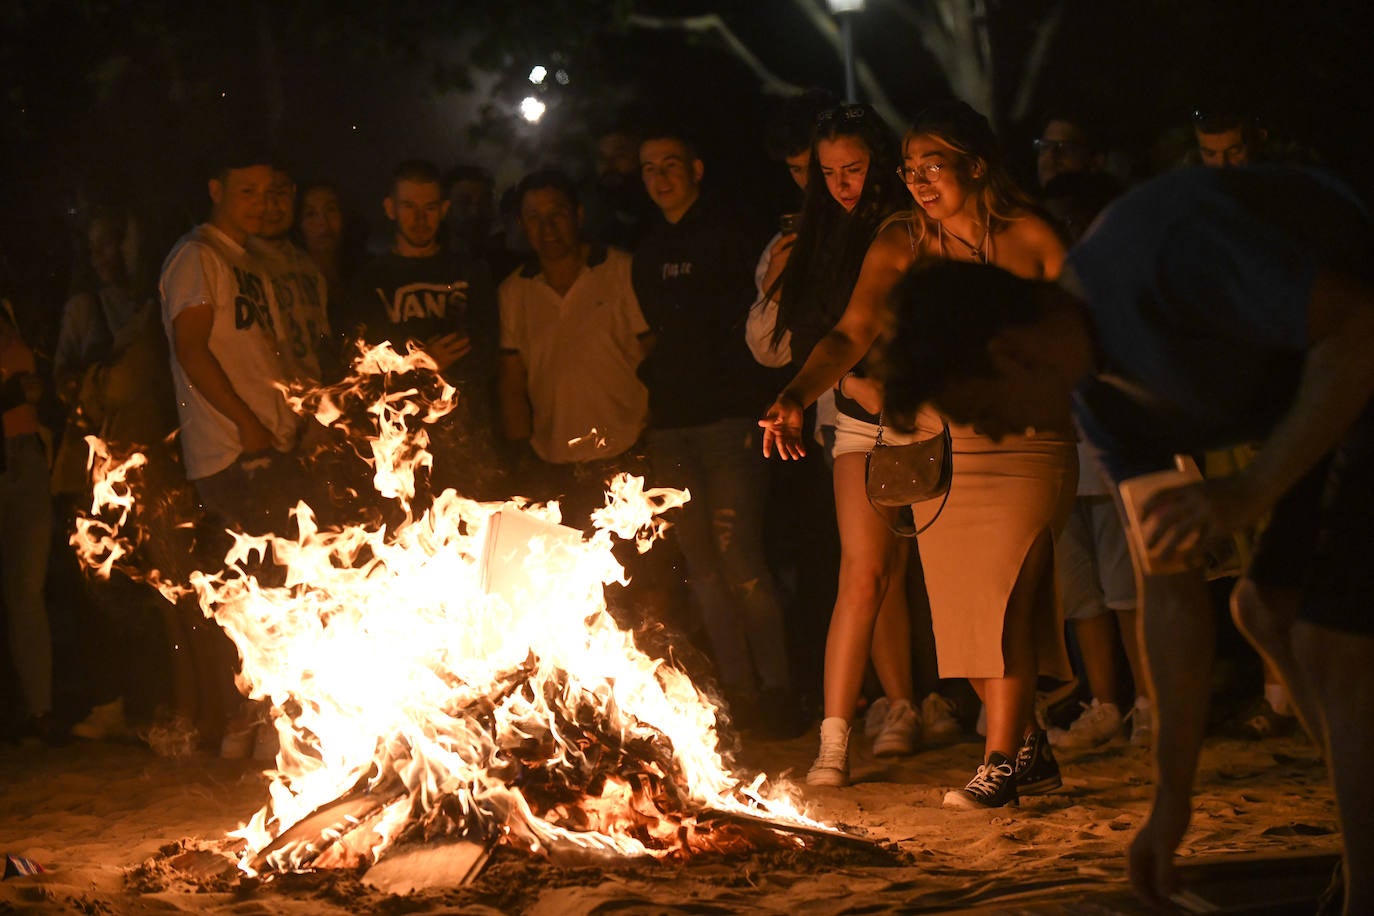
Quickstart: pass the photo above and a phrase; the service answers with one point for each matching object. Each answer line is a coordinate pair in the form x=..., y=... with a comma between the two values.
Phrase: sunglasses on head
x=842, y=113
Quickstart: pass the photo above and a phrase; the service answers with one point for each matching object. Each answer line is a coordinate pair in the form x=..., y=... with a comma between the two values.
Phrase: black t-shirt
x=695, y=282
x=404, y=299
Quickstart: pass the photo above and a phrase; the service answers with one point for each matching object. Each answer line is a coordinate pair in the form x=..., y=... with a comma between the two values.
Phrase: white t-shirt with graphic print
x=206, y=267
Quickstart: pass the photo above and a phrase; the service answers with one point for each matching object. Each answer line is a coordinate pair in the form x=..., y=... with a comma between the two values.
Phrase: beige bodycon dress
x=1004, y=495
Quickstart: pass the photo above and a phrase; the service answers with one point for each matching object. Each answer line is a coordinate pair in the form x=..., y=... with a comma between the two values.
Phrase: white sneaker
x=937, y=715
x=1142, y=717
x=104, y=721
x=901, y=731
x=1099, y=723
x=875, y=718
x=832, y=763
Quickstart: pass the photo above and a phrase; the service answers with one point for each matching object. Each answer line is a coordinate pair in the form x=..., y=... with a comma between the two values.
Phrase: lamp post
x=845, y=11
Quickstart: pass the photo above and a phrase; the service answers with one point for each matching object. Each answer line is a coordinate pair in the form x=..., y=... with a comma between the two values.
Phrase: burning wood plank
x=454, y=676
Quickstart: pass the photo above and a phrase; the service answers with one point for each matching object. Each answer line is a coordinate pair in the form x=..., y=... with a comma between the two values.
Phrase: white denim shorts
x=853, y=435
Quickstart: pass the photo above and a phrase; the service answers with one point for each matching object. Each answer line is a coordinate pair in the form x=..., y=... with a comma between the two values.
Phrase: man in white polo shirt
x=572, y=336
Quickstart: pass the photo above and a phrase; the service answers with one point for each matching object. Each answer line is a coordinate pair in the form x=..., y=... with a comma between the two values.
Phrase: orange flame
x=443, y=666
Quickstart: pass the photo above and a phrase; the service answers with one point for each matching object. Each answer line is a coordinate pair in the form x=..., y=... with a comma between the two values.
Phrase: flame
x=455, y=672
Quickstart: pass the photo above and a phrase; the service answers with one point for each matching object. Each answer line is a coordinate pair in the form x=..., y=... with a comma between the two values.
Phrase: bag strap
x=912, y=531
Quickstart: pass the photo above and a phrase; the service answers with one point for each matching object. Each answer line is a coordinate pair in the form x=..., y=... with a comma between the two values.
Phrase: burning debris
x=453, y=675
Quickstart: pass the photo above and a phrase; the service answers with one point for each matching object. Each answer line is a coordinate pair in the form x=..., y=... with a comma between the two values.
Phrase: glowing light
x=531, y=109
x=562, y=77
x=432, y=674
x=538, y=74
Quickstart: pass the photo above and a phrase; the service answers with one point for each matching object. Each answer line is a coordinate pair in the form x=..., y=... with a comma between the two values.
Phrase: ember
x=455, y=673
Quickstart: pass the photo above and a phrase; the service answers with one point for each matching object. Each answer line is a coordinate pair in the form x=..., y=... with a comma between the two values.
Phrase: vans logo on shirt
x=674, y=269
x=423, y=300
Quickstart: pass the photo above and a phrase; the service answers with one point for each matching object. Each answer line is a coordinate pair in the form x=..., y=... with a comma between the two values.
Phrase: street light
x=531, y=109
x=845, y=11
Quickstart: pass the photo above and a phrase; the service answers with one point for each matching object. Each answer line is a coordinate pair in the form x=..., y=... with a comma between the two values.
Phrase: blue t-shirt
x=1197, y=286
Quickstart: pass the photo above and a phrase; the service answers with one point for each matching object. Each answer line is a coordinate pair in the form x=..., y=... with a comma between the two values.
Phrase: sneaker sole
x=955, y=798
x=943, y=734
x=893, y=749
x=1040, y=787
x=832, y=779
x=1062, y=744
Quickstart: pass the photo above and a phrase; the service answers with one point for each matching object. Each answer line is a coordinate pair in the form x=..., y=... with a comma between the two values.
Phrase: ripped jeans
x=720, y=533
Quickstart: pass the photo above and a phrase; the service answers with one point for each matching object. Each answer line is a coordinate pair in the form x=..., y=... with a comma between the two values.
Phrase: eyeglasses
x=842, y=113
x=929, y=172
x=1058, y=147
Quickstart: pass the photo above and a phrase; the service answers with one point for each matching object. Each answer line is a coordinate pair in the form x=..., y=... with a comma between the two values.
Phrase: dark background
x=125, y=101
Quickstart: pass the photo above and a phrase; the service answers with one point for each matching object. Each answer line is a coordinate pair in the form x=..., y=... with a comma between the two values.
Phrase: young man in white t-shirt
x=218, y=314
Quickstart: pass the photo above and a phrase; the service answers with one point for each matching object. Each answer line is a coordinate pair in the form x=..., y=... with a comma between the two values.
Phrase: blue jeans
x=720, y=532
x=25, y=538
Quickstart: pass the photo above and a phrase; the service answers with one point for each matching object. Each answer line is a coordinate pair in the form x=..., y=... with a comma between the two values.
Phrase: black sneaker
x=993, y=786
x=1037, y=772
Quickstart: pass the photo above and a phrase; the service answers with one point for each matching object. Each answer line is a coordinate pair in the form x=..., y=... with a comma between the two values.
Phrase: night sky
x=123, y=100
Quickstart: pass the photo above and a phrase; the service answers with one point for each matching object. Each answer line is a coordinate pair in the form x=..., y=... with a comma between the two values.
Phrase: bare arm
x=191, y=330
x=513, y=390
x=1336, y=385
x=853, y=335
x=846, y=343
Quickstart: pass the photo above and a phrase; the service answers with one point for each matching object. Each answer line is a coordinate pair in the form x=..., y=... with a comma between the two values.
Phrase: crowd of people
x=642, y=323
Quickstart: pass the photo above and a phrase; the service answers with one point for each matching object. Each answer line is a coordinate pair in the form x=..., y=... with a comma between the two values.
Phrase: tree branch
x=713, y=25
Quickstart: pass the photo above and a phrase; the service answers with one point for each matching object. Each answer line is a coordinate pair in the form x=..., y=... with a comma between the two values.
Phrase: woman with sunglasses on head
x=852, y=190
x=988, y=559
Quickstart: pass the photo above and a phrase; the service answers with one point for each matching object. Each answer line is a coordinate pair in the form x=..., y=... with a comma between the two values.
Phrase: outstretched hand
x=782, y=430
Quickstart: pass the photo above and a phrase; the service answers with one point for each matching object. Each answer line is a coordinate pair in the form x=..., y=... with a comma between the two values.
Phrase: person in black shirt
x=421, y=295
x=694, y=278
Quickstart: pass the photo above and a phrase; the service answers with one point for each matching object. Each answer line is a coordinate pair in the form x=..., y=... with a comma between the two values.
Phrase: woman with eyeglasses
x=988, y=558
x=853, y=188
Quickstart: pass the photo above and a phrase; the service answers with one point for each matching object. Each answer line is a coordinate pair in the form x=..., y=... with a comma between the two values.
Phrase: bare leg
x=1010, y=699
x=866, y=555
x=1265, y=615
x=182, y=658
x=892, y=634
x=1128, y=622
x=1339, y=667
x=1177, y=639
x=1097, y=641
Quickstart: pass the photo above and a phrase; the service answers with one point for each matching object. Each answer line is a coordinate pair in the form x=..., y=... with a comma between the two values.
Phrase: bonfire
x=453, y=674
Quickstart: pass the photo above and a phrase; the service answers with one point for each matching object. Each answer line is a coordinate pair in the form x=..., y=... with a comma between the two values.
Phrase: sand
x=120, y=830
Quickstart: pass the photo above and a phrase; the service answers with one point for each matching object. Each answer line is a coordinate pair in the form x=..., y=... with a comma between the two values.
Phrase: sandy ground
x=120, y=830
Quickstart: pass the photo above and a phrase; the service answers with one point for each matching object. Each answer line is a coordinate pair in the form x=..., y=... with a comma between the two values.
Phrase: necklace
x=978, y=252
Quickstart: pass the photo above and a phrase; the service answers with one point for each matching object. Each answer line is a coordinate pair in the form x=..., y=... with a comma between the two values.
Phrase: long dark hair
x=831, y=243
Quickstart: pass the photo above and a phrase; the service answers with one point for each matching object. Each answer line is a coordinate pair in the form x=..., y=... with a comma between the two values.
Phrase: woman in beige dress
x=988, y=558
